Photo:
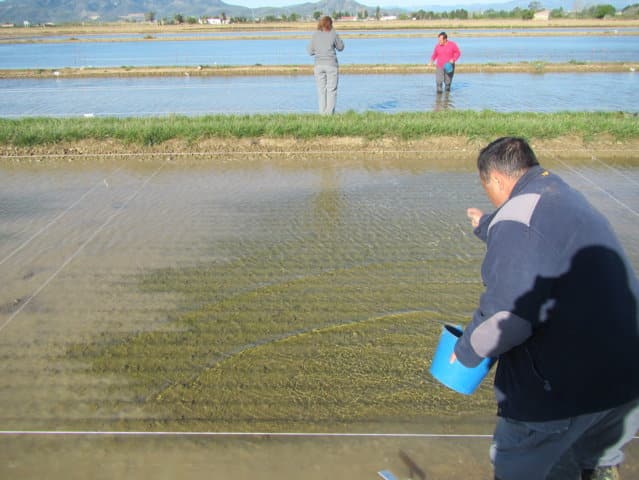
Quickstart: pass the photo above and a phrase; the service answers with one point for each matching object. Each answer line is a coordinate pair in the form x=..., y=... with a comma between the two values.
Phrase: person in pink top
x=444, y=55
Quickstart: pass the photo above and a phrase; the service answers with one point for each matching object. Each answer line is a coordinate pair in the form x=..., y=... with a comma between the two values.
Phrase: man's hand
x=474, y=214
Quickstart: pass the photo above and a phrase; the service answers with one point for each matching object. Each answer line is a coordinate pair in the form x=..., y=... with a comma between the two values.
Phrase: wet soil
x=345, y=151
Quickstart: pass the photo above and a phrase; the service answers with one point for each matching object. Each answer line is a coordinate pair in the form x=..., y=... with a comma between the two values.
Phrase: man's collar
x=531, y=173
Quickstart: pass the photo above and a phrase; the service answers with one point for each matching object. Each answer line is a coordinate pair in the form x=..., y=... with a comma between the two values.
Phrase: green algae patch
x=319, y=338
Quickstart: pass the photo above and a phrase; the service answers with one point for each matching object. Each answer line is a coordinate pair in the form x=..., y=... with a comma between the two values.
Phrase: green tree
x=317, y=14
x=459, y=13
x=601, y=11
x=149, y=16
x=179, y=18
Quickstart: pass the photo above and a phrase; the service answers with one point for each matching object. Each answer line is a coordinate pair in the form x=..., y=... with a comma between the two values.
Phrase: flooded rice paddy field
x=122, y=97
x=292, y=51
x=266, y=293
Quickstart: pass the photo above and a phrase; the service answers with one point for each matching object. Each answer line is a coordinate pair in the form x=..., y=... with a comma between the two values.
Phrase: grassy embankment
x=29, y=132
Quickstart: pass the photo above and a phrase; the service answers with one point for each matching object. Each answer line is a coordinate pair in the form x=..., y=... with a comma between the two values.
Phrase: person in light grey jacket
x=322, y=46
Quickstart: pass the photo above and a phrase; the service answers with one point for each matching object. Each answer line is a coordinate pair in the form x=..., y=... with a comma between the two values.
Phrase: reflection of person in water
x=442, y=102
x=560, y=314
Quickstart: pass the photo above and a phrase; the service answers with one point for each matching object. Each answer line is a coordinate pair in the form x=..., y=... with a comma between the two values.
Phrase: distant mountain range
x=63, y=11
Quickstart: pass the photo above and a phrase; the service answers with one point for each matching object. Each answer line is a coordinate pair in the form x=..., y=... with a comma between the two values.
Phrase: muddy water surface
x=319, y=287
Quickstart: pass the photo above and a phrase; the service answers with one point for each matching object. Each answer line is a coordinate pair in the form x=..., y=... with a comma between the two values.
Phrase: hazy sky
x=410, y=4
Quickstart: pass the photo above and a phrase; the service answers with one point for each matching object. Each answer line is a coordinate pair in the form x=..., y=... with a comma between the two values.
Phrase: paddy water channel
x=250, y=294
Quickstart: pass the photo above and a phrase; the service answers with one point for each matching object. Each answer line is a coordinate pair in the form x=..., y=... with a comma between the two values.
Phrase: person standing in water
x=445, y=54
x=324, y=42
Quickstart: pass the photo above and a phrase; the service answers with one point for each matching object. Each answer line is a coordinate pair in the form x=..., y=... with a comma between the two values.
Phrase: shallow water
x=74, y=241
x=293, y=51
x=501, y=92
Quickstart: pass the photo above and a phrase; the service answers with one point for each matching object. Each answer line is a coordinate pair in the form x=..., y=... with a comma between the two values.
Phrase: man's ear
x=504, y=182
x=498, y=179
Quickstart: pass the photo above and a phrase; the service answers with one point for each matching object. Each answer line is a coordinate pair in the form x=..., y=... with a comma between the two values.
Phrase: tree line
x=595, y=11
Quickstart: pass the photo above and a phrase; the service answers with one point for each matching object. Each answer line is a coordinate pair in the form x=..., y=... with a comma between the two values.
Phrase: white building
x=542, y=15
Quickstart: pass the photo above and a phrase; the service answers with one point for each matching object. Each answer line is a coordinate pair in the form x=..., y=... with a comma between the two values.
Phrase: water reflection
x=443, y=101
x=328, y=204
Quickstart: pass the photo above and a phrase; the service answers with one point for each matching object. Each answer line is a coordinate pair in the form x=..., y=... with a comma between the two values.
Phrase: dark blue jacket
x=560, y=306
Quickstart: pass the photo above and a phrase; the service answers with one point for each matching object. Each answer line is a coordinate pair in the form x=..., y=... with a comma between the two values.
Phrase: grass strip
x=34, y=131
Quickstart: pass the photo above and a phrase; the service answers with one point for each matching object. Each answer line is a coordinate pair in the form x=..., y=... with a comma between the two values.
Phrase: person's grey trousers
x=561, y=449
x=326, y=79
x=442, y=77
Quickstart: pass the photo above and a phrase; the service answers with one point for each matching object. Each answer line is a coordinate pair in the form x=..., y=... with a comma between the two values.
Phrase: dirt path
x=446, y=152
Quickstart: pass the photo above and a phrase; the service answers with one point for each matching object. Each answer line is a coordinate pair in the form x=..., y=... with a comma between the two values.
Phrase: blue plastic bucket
x=452, y=373
x=448, y=67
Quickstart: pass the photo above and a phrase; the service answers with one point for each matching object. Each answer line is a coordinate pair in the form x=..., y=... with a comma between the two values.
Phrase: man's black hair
x=443, y=34
x=511, y=156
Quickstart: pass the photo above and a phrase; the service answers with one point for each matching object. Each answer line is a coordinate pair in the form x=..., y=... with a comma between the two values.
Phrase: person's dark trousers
x=442, y=77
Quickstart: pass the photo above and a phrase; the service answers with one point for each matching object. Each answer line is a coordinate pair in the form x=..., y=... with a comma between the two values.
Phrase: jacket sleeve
x=514, y=296
x=339, y=44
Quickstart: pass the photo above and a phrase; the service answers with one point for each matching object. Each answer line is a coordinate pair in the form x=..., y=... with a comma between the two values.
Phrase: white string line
x=218, y=153
x=243, y=434
x=616, y=170
x=271, y=152
x=601, y=189
x=239, y=434
x=58, y=217
x=77, y=252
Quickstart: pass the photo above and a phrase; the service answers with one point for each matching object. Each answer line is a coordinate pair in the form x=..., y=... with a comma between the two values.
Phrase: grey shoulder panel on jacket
x=518, y=209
